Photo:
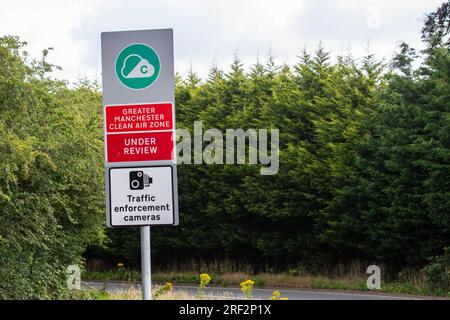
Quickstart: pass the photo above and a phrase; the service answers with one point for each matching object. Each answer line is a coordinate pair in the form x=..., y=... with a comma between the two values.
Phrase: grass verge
x=134, y=294
x=283, y=280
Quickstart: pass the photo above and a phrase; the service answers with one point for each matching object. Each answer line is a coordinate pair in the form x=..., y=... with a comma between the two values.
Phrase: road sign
x=141, y=172
x=141, y=195
x=139, y=126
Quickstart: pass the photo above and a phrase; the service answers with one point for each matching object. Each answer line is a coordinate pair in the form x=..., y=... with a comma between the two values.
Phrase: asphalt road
x=259, y=294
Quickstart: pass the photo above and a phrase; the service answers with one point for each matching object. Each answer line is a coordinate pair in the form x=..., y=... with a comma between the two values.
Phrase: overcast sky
x=209, y=32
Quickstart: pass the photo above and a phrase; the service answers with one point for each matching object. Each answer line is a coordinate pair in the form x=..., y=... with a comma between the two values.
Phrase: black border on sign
x=141, y=225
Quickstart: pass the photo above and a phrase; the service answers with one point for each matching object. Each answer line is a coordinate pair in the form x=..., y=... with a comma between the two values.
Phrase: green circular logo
x=137, y=66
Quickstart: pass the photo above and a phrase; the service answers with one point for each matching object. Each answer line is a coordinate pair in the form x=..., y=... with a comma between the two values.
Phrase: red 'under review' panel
x=142, y=117
x=148, y=146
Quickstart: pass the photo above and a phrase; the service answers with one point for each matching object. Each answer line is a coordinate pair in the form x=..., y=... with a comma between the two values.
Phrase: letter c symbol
x=144, y=69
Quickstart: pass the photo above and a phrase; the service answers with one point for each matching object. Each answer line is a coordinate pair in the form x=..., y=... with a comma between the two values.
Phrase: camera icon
x=139, y=180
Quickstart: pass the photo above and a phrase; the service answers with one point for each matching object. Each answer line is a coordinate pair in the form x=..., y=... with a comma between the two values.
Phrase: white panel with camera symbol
x=141, y=196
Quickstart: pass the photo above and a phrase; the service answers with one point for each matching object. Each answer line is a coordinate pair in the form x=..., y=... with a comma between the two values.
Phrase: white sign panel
x=141, y=196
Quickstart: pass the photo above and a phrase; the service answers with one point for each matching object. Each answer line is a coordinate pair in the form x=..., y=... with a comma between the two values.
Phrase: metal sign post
x=139, y=132
x=146, y=269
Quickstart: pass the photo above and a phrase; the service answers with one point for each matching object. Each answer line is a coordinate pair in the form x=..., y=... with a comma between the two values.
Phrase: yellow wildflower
x=163, y=290
x=247, y=287
x=247, y=283
x=169, y=286
x=205, y=278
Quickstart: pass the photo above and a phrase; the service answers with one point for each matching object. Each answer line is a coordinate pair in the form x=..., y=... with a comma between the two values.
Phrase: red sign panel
x=142, y=117
x=148, y=146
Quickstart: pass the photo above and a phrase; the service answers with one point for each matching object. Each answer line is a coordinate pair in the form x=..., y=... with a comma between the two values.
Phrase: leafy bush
x=438, y=272
x=88, y=295
x=51, y=176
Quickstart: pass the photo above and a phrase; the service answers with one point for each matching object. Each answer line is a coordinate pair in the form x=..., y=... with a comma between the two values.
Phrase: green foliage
x=399, y=190
x=438, y=272
x=89, y=294
x=51, y=184
x=437, y=26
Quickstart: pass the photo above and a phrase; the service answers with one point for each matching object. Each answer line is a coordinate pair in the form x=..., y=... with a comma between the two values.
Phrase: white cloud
x=49, y=23
x=208, y=32
x=141, y=67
